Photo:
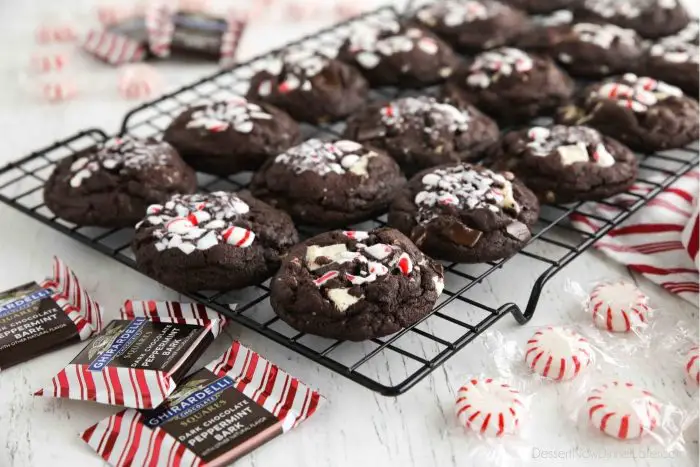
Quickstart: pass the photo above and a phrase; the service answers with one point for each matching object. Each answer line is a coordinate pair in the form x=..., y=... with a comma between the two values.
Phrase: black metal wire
x=415, y=351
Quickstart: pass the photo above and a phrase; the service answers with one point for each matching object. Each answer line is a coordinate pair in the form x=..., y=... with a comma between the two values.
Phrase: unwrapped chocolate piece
x=138, y=360
x=38, y=317
x=217, y=415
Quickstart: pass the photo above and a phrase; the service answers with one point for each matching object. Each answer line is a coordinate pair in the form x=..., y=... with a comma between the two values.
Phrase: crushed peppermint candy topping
x=238, y=114
x=556, y=18
x=370, y=41
x=298, y=67
x=626, y=8
x=426, y=112
x=571, y=143
x=675, y=51
x=464, y=187
x=603, y=35
x=324, y=157
x=491, y=65
x=636, y=92
x=453, y=13
x=120, y=155
x=199, y=222
x=339, y=268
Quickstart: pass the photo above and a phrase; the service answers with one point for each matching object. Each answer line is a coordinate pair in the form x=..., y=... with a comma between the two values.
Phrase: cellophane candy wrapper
x=615, y=315
x=38, y=317
x=137, y=361
x=493, y=407
x=218, y=414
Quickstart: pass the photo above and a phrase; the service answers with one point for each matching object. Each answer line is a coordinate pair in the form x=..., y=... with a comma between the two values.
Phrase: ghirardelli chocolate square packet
x=38, y=317
x=137, y=361
x=215, y=416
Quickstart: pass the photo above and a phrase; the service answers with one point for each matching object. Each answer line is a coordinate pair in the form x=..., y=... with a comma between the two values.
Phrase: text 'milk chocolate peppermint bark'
x=38, y=317
x=217, y=415
x=137, y=361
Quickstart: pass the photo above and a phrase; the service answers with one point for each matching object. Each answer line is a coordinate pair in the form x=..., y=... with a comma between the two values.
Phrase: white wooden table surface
x=356, y=426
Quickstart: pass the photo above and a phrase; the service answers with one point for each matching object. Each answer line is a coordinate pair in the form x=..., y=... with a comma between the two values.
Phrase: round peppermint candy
x=557, y=353
x=489, y=407
x=618, y=306
x=623, y=410
x=692, y=365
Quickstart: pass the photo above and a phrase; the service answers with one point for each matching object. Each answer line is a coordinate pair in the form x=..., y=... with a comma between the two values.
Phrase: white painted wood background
x=356, y=426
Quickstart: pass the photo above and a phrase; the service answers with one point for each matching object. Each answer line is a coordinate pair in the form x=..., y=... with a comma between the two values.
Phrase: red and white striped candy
x=109, y=15
x=43, y=62
x=692, y=365
x=557, y=353
x=139, y=81
x=623, y=410
x=618, y=306
x=49, y=33
x=405, y=264
x=325, y=278
x=489, y=407
x=179, y=225
x=238, y=236
x=59, y=90
x=356, y=234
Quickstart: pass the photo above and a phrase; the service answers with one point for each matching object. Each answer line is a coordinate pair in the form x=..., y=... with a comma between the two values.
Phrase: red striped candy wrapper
x=217, y=415
x=113, y=48
x=137, y=361
x=651, y=242
x=38, y=317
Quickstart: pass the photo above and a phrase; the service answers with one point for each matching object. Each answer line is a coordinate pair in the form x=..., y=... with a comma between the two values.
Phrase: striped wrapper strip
x=132, y=387
x=85, y=312
x=114, y=49
x=660, y=241
x=124, y=439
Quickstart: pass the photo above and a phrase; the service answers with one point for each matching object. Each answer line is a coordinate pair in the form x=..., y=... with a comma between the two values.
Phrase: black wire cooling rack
x=475, y=296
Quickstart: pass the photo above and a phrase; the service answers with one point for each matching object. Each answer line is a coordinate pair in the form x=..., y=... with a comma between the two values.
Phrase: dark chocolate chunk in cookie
x=539, y=7
x=674, y=60
x=213, y=241
x=563, y=164
x=465, y=213
x=227, y=137
x=309, y=86
x=650, y=18
x=591, y=50
x=641, y=112
x=112, y=184
x=391, y=54
x=422, y=132
x=473, y=25
x=511, y=85
x=355, y=285
x=329, y=184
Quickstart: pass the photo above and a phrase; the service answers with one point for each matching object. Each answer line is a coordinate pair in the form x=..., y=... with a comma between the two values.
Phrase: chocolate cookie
x=213, y=241
x=545, y=31
x=422, y=132
x=591, y=50
x=355, y=285
x=563, y=164
x=539, y=7
x=645, y=114
x=225, y=138
x=309, y=86
x=112, y=184
x=472, y=26
x=391, y=54
x=675, y=61
x=329, y=184
x=650, y=18
x=465, y=213
x=510, y=85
